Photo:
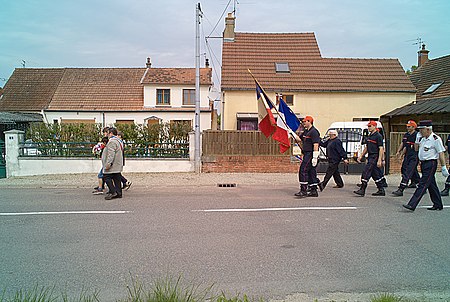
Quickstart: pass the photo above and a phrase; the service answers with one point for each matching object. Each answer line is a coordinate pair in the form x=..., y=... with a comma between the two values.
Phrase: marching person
x=307, y=173
x=430, y=149
x=335, y=153
x=410, y=159
x=375, y=150
x=112, y=162
x=447, y=182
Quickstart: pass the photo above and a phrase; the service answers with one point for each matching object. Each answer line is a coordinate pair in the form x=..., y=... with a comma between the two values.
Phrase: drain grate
x=226, y=185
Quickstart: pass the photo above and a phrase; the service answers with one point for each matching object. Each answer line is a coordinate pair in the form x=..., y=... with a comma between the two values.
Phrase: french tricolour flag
x=266, y=121
x=282, y=132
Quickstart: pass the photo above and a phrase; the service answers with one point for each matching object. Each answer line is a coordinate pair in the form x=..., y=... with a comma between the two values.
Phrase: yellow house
x=329, y=89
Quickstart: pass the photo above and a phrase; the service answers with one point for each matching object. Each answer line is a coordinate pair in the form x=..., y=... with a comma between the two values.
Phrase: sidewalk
x=179, y=179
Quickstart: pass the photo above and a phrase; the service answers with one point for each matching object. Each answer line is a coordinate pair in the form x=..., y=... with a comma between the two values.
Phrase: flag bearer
x=410, y=159
x=447, y=182
x=430, y=150
x=375, y=150
x=307, y=173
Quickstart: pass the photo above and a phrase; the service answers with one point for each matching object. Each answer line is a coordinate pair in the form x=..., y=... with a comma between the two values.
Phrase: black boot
x=313, y=193
x=412, y=185
x=399, y=192
x=362, y=189
x=445, y=191
x=380, y=192
x=321, y=186
x=301, y=194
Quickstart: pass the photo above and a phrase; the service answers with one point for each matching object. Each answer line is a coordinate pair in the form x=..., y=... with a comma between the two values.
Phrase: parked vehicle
x=353, y=136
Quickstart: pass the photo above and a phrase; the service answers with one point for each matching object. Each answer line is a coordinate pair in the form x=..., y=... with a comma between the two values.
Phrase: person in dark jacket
x=335, y=153
x=447, y=182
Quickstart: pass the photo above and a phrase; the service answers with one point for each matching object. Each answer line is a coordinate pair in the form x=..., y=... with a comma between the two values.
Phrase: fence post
x=192, y=146
x=13, y=138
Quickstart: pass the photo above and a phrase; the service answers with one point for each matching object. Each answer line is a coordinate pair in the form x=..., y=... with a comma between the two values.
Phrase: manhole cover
x=226, y=185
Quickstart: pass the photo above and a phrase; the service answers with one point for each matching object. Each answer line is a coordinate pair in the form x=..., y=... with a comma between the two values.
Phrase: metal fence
x=396, y=139
x=239, y=143
x=84, y=149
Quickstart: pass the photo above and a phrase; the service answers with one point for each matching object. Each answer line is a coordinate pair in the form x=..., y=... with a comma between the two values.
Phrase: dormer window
x=432, y=88
x=282, y=68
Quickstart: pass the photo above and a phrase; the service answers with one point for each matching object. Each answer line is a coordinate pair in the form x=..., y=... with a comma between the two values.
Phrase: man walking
x=307, y=173
x=410, y=159
x=447, y=182
x=375, y=150
x=430, y=150
x=112, y=161
x=335, y=152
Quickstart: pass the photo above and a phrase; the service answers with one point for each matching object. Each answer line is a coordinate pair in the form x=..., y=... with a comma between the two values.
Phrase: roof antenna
x=419, y=42
x=23, y=63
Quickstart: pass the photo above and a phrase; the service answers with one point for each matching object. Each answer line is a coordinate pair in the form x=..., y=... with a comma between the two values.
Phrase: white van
x=353, y=136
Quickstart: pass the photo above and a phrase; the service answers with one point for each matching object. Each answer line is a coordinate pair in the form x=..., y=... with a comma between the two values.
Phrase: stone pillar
x=13, y=139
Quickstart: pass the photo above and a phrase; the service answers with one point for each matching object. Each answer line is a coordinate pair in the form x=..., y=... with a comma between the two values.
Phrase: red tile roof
x=30, y=89
x=433, y=71
x=308, y=70
x=176, y=76
x=99, y=89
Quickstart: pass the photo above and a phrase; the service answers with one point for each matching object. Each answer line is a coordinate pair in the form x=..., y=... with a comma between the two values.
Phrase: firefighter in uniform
x=447, y=182
x=335, y=153
x=375, y=150
x=430, y=150
x=307, y=173
x=410, y=159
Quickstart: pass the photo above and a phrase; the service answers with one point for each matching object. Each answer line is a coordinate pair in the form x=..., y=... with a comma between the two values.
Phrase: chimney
x=148, y=64
x=228, y=33
x=207, y=63
x=422, y=56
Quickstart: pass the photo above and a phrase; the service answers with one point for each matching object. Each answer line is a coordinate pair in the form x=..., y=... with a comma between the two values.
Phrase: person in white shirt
x=431, y=150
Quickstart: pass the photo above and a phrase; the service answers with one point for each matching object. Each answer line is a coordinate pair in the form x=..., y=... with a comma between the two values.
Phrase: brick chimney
x=422, y=56
x=228, y=33
x=148, y=64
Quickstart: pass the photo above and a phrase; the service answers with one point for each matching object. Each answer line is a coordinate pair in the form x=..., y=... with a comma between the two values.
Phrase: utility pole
x=197, y=90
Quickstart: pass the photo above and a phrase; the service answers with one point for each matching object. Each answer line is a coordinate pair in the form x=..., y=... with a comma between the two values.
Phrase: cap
x=333, y=132
x=372, y=123
x=411, y=123
x=309, y=119
x=425, y=124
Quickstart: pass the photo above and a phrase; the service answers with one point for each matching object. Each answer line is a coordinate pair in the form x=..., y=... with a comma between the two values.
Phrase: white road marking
x=429, y=206
x=64, y=213
x=276, y=209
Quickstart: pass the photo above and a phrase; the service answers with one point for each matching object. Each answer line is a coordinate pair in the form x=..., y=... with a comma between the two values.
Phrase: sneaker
x=110, y=196
x=127, y=185
x=97, y=191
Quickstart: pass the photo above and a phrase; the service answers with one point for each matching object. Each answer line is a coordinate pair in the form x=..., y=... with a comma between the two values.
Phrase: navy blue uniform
x=335, y=153
x=410, y=161
x=374, y=142
x=307, y=174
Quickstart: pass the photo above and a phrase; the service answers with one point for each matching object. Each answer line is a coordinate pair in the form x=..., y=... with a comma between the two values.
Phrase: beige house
x=329, y=89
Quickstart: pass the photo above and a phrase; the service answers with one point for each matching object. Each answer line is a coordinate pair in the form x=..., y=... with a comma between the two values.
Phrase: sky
x=123, y=33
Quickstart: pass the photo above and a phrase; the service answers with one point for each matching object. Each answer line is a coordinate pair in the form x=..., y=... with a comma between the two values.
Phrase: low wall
x=249, y=164
x=41, y=166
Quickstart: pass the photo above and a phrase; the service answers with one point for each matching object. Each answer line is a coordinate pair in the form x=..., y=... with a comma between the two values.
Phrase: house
x=109, y=95
x=329, y=89
x=432, y=80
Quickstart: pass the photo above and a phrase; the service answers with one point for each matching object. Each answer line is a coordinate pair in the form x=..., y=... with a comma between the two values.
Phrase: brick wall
x=249, y=164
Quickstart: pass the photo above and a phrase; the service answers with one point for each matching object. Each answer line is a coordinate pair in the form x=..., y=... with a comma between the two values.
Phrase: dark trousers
x=307, y=174
x=371, y=170
x=447, y=182
x=427, y=181
x=409, y=171
x=113, y=182
x=333, y=170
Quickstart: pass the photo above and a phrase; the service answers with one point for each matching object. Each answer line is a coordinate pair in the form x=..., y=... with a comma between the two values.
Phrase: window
x=162, y=96
x=282, y=68
x=125, y=122
x=247, y=124
x=288, y=99
x=432, y=88
x=188, y=96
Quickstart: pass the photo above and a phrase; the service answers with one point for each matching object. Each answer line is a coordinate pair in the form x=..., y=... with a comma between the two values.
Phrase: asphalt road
x=253, y=239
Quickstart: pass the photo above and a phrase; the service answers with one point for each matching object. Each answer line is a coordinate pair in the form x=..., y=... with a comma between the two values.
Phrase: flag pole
x=265, y=94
